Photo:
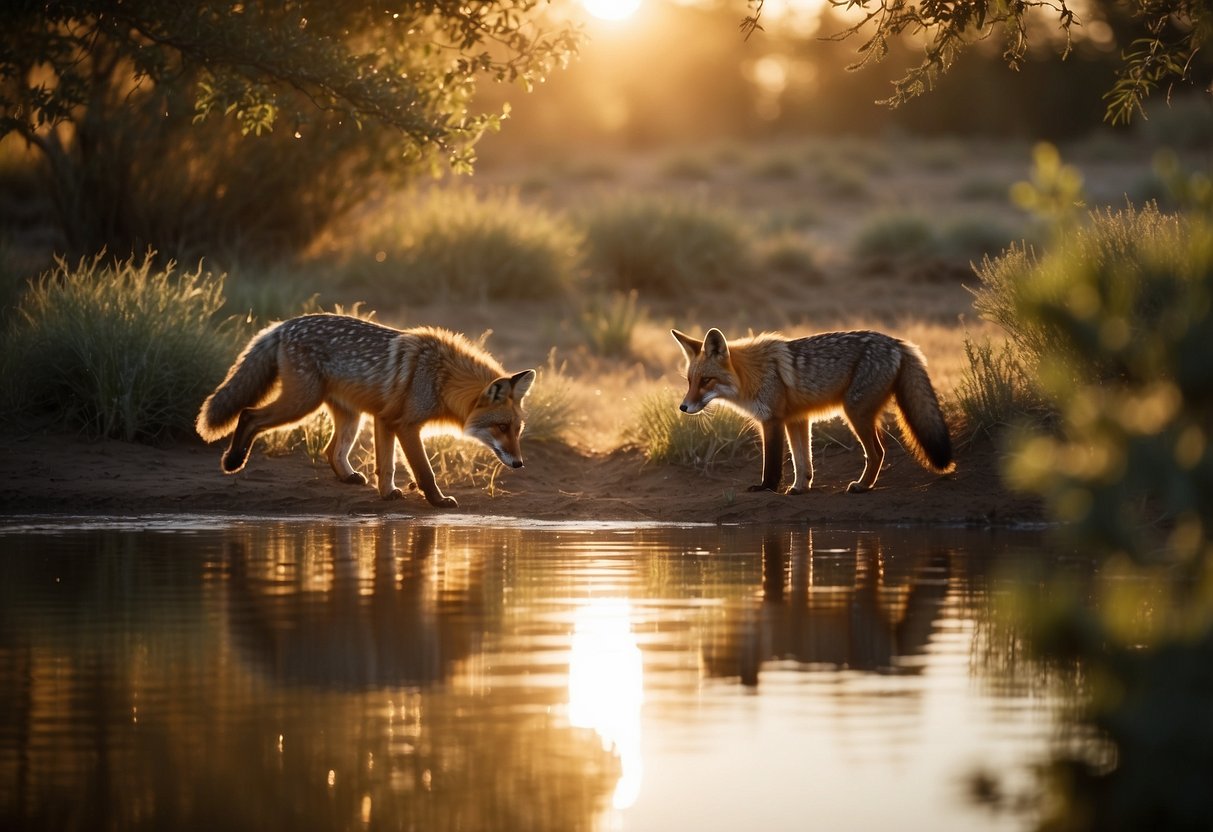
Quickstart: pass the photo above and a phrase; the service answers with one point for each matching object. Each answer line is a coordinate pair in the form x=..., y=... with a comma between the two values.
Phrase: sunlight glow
x=606, y=686
x=611, y=9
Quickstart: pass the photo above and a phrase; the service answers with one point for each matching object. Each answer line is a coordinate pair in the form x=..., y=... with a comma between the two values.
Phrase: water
x=205, y=673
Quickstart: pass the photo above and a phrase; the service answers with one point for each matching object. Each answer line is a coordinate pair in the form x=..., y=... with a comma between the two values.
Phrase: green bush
x=1124, y=247
x=668, y=436
x=666, y=245
x=115, y=349
x=456, y=245
x=895, y=236
x=1127, y=309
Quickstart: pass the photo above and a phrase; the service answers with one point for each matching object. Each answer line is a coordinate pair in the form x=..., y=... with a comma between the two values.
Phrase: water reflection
x=351, y=607
x=324, y=675
x=856, y=607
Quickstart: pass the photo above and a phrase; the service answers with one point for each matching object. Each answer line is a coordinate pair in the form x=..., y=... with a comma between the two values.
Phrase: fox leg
x=772, y=456
x=346, y=424
x=385, y=461
x=419, y=464
x=866, y=427
x=800, y=438
x=296, y=400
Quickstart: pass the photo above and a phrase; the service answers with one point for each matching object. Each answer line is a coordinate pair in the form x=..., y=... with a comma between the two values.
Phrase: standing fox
x=403, y=379
x=785, y=383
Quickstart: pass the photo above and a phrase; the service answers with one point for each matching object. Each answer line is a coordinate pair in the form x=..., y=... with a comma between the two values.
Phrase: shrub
x=666, y=435
x=997, y=390
x=895, y=235
x=115, y=349
x=1125, y=250
x=790, y=254
x=974, y=237
x=666, y=245
x=607, y=325
x=453, y=244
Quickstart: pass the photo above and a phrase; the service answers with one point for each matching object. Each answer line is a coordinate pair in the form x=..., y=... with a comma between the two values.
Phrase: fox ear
x=714, y=345
x=521, y=383
x=690, y=346
x=497, y=392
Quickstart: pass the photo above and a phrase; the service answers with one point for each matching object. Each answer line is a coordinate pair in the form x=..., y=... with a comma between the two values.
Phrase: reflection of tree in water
x=858, y=607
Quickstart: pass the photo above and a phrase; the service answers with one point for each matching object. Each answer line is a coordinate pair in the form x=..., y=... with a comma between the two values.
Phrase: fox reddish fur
x=786, y=383
x=405, y=379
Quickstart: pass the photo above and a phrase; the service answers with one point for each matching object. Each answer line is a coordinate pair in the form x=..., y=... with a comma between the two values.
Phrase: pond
x=319, y=673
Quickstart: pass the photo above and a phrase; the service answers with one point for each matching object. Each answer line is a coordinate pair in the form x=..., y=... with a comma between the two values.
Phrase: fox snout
x=691, y=406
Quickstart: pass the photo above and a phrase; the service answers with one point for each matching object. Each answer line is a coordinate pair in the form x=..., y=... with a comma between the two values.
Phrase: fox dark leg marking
x=800, y=439
x=772, y=456
x=236, y=455
x=255, y=421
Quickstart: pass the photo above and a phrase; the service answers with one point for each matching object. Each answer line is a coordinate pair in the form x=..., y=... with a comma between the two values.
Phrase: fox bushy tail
x=922, y=424
x=249, y=381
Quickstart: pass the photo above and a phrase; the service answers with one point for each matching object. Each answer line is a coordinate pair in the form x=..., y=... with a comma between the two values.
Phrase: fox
x=784, y=384
x=404, y=379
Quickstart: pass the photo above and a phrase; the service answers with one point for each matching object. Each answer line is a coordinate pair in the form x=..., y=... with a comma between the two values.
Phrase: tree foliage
x=95, y=83
x=1162, y=51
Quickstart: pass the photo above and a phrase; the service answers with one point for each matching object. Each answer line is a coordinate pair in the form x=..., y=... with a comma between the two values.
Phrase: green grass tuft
x=608, y=325
x=115, y=349
x=667, y=436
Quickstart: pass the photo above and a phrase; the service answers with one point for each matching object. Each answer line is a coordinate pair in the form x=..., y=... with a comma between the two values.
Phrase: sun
x=611, y=9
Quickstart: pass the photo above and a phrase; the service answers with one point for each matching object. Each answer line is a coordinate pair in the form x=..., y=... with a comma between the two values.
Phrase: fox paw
x=857, y=488
x=761, y=487
x=354, y=479
x=394, y=494
x=444, y=502
x=794, y=490
x=233, y=461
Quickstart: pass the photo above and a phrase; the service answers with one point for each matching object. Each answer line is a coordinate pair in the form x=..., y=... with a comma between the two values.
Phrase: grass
x=454, y=245
x=607, y=325
x=666, y=245
x=998, y=389
x=122, y=349
x=665, y=435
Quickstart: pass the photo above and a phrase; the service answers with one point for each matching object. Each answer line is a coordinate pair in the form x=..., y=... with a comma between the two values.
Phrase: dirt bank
x=63, y=474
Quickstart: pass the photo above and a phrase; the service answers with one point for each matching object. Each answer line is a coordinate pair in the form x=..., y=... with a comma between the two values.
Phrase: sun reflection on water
x=606, y=686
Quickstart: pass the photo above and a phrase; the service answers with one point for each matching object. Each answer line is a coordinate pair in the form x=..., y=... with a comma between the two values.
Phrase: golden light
x=606, y=687
x=611, y=9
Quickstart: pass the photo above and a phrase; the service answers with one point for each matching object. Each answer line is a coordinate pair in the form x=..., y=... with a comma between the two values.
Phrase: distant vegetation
x=666, y=245
x=455, y=245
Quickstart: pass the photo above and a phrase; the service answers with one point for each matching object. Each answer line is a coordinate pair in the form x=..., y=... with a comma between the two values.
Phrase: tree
x=332, y=87
x=1163, y=51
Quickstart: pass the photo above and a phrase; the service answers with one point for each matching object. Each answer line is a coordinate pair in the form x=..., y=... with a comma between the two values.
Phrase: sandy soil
x=55, y=474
